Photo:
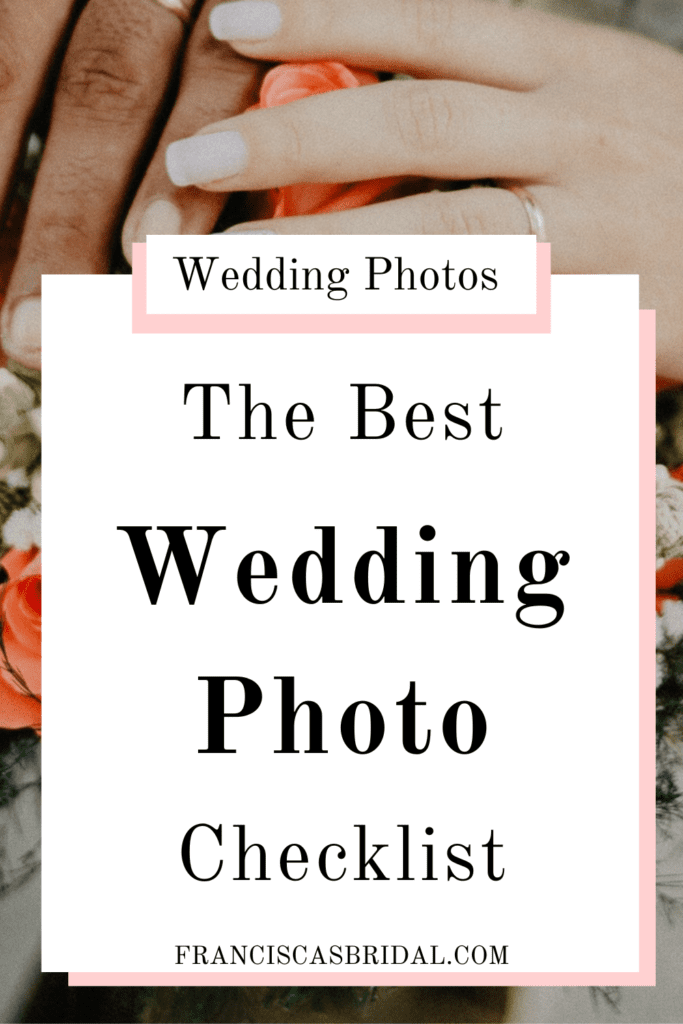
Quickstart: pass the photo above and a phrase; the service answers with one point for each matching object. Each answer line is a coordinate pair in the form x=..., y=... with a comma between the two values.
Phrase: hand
x=587, y=119
x=115, y=80
x=29, y=37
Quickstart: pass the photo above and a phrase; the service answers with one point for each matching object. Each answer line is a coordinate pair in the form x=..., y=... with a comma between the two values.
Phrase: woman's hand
x=587, y=119
x=115, y=81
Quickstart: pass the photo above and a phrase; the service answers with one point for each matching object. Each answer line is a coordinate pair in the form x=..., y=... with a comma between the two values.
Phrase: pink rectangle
x=341, y=323
x=645, y=975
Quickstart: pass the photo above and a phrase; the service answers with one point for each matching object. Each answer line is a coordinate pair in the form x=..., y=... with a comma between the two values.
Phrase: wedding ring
x=533, y=211
x=183, y=8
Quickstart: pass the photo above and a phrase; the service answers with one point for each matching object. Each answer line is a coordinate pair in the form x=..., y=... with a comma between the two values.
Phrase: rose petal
x=16, y=563
x=20, y=607
x=288, y=82
x=17, y=711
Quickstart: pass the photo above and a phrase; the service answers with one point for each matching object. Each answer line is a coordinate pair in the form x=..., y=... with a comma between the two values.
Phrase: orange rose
x=288, y=82
x=20, y=608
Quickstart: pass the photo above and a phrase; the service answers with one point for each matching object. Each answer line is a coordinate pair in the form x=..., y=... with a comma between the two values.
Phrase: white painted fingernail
x=160, y=218
x=245, y=19
x=24, y=339
x=205, y=158
x=256, y=231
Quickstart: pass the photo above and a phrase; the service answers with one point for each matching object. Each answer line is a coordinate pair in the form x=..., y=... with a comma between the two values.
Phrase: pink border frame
x=645, y=975
x=341, y=323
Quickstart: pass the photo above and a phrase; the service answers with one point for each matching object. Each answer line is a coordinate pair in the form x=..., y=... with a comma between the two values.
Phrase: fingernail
x=23, y=343
x=204, y=158
x=245, y=19
x=256, y=231
x=160, y=218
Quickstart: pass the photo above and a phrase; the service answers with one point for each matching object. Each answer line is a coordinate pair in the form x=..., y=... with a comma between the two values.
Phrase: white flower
x=17, y=478
x=22, y=529
x=669, y=517
x=669, y=624
x=19, y=427
x=34, y=417
x=16, y=398
x=36, y=486
x=20, y=449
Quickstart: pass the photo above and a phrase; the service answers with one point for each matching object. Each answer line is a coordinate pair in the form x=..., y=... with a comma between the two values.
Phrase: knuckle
x=58, y=244
x=62, y=233
x=190, y=115
x=99, y=81
x=450, y=213
x=429, y=22
x=425, y=120
x=218, y=87
x=473, y=223
x=207, y=61
x=440, y=216
x=70, y=219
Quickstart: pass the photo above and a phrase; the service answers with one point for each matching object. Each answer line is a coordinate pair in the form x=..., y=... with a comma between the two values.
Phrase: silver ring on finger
x=533, y=211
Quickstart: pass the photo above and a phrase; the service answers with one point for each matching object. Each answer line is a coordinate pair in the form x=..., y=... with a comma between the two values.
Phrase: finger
x=429, y=129
x=476, y=40
x=580, y=240
x=29, y=36
x=112, y=83
x=216, y=83
x=469, y=211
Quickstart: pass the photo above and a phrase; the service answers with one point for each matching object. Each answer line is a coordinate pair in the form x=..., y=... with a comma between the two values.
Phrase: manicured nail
x=205, y=158
x=245, y=19
x=255, y=231
x=23, y=343
x=160, y=218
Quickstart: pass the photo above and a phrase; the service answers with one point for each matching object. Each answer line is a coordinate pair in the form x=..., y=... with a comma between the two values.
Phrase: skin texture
x=586, y=118
x=115, y=80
